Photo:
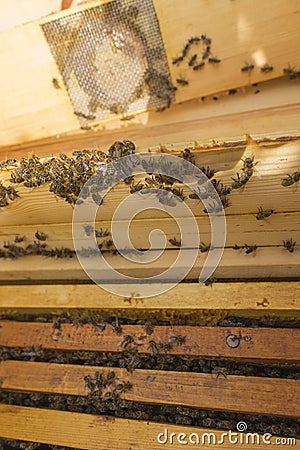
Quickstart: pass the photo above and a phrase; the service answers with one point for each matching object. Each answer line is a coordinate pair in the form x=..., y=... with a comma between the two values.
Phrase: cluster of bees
x=291, y=179
x=111, y=384
x=193, y=60
x=12, y=250
x=68, y=175
x=161, y=87
x=245, y=174
x=7, y=193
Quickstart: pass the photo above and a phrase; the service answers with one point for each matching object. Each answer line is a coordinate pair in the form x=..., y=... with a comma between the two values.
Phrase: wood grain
x=257, y=395
x=254, y=343
x=252, y=296
x=98, y=432
x=238, y=34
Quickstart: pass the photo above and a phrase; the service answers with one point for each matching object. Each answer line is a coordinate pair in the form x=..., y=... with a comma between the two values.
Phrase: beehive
x=83, y=367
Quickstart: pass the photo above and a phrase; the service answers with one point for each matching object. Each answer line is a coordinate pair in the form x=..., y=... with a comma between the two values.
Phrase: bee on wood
x=192, y=60
x=204, y=248
x=263, y=214
x=232, y=91
x=296, y=176
x=116, y=327
x=289, y=245
x=206, y=39
x=89, y=383
x=288, y=181
x=177, y=60
x=102, y=233
x=175, y=242
x=266, y=68
x=214, y=60
x=291, y=71
x=177, y=339
x=148, y=328
x=247, y=67
x=206, y=52
x=194, y=40
x=185, y=50
x=153, y=348
x=207, y=171
x=136, y=187
x=221, y=371
x=249, y=249
x=249, y=162
x=11, y=193
x=19, y=238
x=88, y=229
x=199, y=66
x=40, y=235
x=237, y=183
x=182, y=81
x=178, y=193
x=214, y=207
x=110, y=378
x=210, y=281
x=188, y=156
x=126, y=341
x=55, y=83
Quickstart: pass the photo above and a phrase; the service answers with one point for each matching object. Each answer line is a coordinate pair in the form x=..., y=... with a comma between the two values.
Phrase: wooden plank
x=254, y=343
x=101, y=432
x=275, y=108
x=245, y=37
x=38, y=206
x=265, y=263
x=240, y=228
x=253, y=296
x=257, y=395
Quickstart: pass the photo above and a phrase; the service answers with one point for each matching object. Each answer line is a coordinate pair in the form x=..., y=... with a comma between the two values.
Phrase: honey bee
x=289, y=245
x=175, y=242
x=263, y=214
x=250, y=248
x=192, y=60
x=266, y=68
x=199, y=66
x=288, y=181
x=247, y=67
x=214, y=60
x=182, y=81
x=55, y=83
x=19, y=238
x=40, y=235
x=177, y=339
x=126, y=341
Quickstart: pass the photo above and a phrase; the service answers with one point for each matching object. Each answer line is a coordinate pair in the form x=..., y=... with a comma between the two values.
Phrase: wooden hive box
x=112, y=367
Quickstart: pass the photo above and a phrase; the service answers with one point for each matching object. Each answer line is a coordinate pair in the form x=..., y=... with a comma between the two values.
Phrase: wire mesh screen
x=112, y=59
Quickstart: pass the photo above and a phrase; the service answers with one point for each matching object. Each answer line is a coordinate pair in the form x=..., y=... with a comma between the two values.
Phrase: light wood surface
x=253, y=296
x=257, y=395
x=32, y=109
x=260, y=343
x=97, y=432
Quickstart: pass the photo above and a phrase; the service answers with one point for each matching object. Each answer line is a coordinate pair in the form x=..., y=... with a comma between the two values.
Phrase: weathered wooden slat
x=252, y=296
x=240, y=229
x=38, y=206
x=91, y=432
x=265, y=263
x=237, y=34
x=257, y=395
x=254, y=343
